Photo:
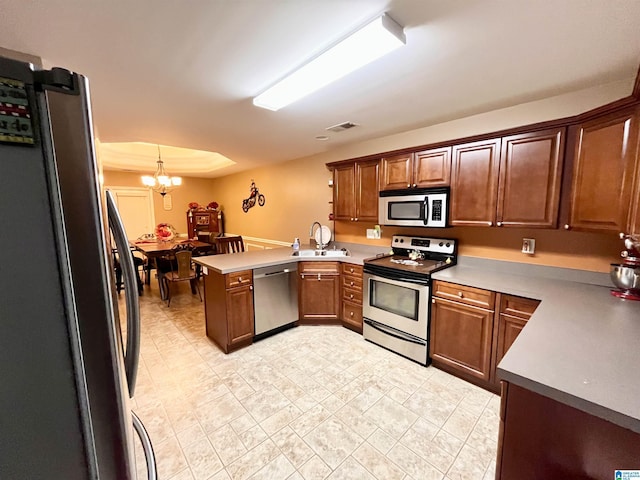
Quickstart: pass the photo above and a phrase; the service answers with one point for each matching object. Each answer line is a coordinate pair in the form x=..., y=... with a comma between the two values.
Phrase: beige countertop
x=580, y=347
x=235, y=262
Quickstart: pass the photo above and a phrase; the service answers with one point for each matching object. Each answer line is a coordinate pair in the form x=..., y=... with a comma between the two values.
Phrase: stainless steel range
x=396, y=303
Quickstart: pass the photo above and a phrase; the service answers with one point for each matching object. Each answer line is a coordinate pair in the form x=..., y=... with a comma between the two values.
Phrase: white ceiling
x=184, y=73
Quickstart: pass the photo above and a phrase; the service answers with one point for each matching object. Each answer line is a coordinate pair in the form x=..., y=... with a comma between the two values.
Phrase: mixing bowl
x=626, y=277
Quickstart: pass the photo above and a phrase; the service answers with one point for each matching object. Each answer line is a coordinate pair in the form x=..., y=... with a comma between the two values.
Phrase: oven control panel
x=446, y=246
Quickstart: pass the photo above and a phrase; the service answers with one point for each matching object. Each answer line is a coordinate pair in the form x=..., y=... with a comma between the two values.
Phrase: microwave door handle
x=426, y=210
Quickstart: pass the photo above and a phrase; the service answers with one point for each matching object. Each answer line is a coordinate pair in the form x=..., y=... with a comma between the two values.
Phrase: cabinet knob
x=351, y=270
x=351, y=284
x=351, y=314
x=414, y=185
x=433, y=300
x=490, y=223
x=351, y=296
x=355, y=219
x=460, y=294
x=408, y=185
x=251, y=287
x=318, y=277
x=567, y=226
x=499, y=224
x=240, y=279
x=352, y=219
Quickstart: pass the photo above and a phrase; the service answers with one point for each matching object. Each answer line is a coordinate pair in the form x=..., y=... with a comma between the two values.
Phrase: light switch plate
x=529, y=246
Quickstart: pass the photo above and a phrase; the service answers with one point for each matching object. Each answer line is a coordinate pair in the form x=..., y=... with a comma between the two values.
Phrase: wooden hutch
x=203, y=222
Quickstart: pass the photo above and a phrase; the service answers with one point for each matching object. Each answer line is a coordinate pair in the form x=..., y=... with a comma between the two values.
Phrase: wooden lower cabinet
x=229, y=311
x=472, y=329
x=352, y=297
x=461, y=337
x=513, y=315
x=541, y=438
x=319, y=293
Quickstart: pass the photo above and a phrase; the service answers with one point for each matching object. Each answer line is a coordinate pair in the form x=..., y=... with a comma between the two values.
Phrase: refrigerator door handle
x=149, y=456
x=132, y=351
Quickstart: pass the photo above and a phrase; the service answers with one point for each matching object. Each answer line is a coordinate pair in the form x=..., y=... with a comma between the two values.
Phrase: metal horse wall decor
x=255, y=195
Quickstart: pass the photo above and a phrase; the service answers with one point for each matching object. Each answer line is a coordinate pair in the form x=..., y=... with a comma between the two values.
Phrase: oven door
x=401, y=305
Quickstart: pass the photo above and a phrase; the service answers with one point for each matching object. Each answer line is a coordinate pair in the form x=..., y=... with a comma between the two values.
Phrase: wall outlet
x=529, y=246
x=373, y=233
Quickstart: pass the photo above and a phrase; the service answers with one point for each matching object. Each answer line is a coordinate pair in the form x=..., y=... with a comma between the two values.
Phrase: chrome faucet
x=320, y=246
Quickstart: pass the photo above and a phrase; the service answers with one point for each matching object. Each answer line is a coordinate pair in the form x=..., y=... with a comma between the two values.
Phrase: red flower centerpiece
x=194, y=205
x=165, y=232
x=212, y=206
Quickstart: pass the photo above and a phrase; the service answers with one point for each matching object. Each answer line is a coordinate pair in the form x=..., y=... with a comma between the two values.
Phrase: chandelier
x=161, y=182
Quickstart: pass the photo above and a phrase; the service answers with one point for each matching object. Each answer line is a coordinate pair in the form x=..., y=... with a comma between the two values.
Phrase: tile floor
x=309, y=403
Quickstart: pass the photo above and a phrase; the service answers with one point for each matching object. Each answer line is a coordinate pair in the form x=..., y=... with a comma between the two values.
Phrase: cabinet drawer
x=354, y=283
x=352, y=313
x=468, y=295
x=351, y=295
x=239, y=279
x=518, y=306
x=314, y=268
x=351, y=269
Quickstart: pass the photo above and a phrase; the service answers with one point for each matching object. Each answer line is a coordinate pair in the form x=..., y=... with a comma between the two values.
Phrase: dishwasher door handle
x=272, y=274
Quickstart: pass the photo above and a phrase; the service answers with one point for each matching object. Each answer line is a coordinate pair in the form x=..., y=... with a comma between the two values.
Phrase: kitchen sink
x=321, y=253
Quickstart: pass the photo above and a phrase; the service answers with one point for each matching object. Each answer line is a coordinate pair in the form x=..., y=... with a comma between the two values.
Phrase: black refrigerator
x=68, y=356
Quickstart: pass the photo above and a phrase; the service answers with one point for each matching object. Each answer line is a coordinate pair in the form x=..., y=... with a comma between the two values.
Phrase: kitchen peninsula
x=578, y=351
x=229, y=285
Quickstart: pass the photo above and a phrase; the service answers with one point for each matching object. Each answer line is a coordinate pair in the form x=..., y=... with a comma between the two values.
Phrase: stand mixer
x=626, y=275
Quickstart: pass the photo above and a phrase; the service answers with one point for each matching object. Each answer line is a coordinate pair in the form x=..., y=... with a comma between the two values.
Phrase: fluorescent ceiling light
x=367, y=44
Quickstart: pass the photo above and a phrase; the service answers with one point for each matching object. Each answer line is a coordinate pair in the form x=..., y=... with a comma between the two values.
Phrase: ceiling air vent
x=341, y=127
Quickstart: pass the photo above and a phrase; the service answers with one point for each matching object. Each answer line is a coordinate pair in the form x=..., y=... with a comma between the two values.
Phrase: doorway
x=136, y=210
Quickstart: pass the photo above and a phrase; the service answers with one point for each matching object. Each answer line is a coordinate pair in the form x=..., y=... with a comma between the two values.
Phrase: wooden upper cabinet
x=474, y=183
x=366, y=185
x=432, y=168
x=397, y=172
x=428, y=168
x=344, y=192
x=355, y=191
x=530, y=178
x=604, y=165
x=634, y=221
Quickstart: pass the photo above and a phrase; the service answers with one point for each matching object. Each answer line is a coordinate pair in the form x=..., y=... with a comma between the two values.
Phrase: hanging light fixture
x=161, y=182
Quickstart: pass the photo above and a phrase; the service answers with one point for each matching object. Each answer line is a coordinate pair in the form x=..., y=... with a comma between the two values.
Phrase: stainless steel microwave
x=419, y=207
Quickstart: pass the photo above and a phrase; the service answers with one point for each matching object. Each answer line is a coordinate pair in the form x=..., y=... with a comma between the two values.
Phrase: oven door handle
x=412, y=280
x=391, y=332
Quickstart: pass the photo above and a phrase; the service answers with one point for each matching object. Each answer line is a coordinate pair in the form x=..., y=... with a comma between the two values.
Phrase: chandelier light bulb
x=161, y=182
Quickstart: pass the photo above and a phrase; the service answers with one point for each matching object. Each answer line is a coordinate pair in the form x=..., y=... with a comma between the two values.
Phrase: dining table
x=153, y=249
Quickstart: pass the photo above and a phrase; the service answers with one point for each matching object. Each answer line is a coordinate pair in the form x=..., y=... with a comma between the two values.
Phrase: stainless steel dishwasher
x=275, y=298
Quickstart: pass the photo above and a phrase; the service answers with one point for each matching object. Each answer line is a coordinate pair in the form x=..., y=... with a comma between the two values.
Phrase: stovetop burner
x=414, y=257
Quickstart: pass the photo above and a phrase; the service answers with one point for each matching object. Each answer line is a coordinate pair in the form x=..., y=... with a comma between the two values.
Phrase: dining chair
x=182, y=273
x=137, y=262
x=230, y=244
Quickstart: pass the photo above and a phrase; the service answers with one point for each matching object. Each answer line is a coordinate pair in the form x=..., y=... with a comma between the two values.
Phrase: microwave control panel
x=436, y=212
